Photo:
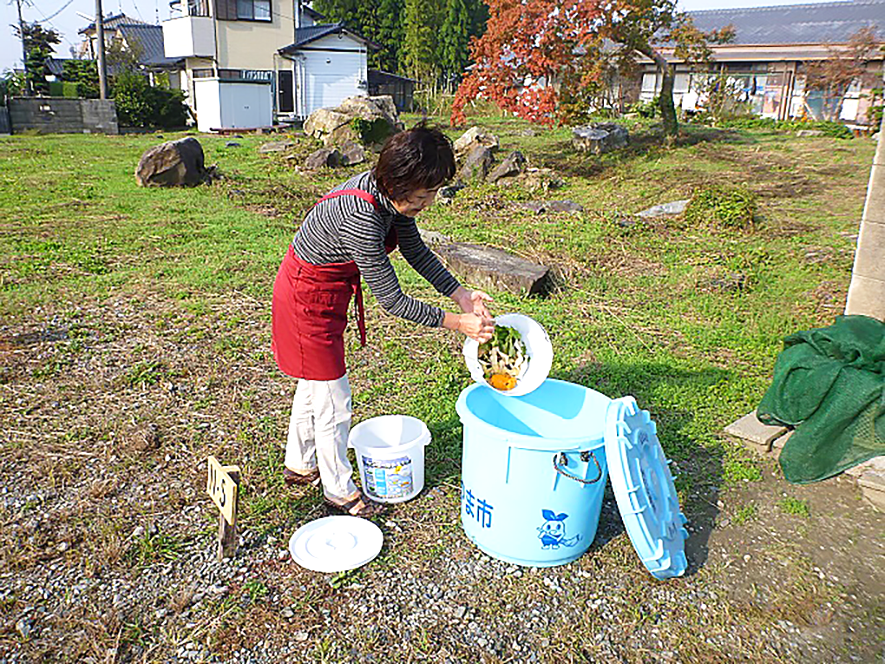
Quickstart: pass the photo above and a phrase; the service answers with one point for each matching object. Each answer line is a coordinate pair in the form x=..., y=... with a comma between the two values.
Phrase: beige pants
x=318, y=431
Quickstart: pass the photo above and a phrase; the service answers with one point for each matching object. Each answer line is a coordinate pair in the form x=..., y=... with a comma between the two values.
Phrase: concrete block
x=880, y=148
x=874, y=208
x=870, y=258
x=758, y=436
x=777, y=445
x=866, y=296
x=495, y=269
x=872, y=487
x=876, y=463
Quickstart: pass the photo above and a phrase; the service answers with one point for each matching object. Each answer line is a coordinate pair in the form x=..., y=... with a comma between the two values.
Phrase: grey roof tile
x=826, y=22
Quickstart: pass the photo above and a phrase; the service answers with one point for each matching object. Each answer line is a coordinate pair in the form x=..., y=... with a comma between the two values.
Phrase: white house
x=250, y=62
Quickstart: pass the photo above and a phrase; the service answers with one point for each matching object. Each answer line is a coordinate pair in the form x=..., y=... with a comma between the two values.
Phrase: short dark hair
x=419, y=158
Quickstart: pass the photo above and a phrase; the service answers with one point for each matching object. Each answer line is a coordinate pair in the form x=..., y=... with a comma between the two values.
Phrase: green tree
x=479, y=16
x=39, y=44
x=362, y=16
x=419, y=47
x=365, y=19
x=453, y=39
x=390, y=35
x=85, y=74
x=122, y=57
x=139, y=104
x=335, y=10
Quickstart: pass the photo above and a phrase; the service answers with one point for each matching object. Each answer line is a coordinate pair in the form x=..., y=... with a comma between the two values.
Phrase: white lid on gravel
x=336, y=543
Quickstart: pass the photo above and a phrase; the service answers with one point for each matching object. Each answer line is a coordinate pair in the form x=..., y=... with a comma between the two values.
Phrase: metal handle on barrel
x=586, y=455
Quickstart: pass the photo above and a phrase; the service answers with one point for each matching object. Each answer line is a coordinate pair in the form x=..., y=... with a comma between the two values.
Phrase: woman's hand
x=472, y=301
x=473, y=325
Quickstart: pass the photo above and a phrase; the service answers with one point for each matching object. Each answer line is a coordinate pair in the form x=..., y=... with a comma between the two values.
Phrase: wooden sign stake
x=223, y=485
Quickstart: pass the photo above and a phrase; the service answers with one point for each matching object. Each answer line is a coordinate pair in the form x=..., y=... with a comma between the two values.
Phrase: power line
x=137, y=10
x=63, y=7
x=46, y=19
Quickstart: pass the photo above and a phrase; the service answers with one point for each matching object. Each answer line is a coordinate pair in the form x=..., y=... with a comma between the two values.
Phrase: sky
x=70, y=18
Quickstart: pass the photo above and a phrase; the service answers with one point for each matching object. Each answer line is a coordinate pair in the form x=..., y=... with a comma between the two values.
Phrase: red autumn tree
x=535, y=52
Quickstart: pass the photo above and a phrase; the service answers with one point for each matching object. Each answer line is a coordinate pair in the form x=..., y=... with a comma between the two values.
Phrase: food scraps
x=503, y=358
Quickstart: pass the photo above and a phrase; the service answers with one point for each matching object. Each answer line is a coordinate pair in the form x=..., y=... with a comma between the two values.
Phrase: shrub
x=832, y=129
x=140, y=104
x=63, y=89
x=728, y=206
x=875, y=116
x=371, y=131
x=84, y=74
x=645, y=109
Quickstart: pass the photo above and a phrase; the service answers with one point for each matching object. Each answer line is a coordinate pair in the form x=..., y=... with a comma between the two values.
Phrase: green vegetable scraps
x=503, y=357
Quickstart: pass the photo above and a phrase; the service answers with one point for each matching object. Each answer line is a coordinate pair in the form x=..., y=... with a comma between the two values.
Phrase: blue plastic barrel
x=533, y=471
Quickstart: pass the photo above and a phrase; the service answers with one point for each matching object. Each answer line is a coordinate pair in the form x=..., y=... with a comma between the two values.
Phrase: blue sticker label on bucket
x=552, y=531
x=388, y=478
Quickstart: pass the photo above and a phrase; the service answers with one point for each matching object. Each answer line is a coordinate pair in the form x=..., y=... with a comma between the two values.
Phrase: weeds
x=256, y=590
x=144, y=374
x=728, y=206
x=744, y=514
x=157, y=548
x=795, y=506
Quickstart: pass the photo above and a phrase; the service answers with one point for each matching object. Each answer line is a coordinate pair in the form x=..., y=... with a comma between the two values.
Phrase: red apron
x=310, y=309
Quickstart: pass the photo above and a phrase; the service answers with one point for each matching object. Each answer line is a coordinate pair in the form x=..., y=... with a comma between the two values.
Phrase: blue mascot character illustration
x=552, y=533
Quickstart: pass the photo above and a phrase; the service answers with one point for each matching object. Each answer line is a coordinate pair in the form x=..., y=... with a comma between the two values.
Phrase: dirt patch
x=829, y=553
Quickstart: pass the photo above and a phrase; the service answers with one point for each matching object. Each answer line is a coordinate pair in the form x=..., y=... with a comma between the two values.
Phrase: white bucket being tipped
x=390, y=456
x=538, y=349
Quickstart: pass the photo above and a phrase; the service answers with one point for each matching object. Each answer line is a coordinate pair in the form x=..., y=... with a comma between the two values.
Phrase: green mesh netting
x=830, y=385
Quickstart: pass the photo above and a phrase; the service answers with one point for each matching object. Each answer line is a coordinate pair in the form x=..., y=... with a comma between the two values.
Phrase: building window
x=253, y=10
x=203, y=73
x=198, y=7
x=249, y=75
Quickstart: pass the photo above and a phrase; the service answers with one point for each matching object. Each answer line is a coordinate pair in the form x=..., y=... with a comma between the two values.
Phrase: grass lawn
x=134, y=342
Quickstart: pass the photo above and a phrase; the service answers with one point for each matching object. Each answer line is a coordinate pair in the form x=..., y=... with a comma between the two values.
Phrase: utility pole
x=102, y=69
x=21, y=32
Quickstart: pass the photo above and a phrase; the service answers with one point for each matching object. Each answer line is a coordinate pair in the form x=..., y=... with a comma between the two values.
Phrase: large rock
x=175, y=163
x=446, y=195
x=370, y=108
x=352, y=153
x=323, y=121
x=515, y=164
x=541, y=207
x=665, y=209
x=494, y=269
x=600, y=137
x=275, y=146
x=334, y=126
x=432, y=238
x=540, y=179
x=473, y=138
x=324, y=157
x=477, y=164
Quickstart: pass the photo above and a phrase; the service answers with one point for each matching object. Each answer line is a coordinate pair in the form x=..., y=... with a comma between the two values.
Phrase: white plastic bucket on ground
x=538, y=349
x=390, y=456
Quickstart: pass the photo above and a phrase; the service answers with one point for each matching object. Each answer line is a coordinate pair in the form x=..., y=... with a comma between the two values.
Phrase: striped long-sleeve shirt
x=348, y=228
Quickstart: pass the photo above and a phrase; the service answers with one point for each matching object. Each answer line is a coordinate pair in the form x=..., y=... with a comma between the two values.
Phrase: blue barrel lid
x=558, y=416
x=644, y=489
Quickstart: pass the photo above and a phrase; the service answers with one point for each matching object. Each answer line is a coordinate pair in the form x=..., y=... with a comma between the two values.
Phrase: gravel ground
x=107, y=536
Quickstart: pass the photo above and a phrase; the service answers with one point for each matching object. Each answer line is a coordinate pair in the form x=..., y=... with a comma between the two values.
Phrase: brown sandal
x=298, y=479
x=359, y=506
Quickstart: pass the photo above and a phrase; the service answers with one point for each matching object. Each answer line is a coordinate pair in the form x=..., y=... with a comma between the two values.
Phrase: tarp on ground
x=829, y=384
